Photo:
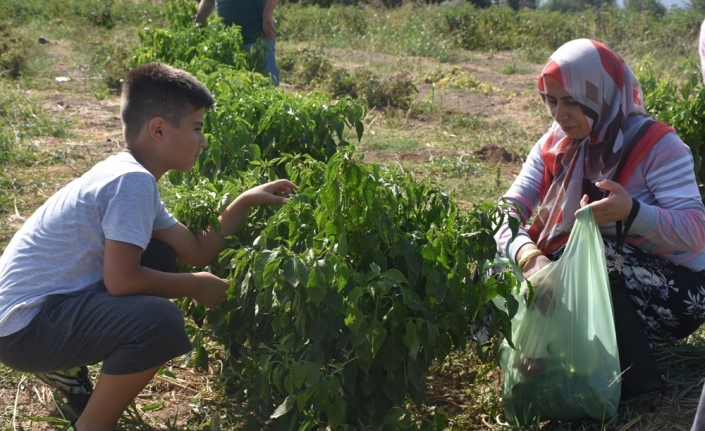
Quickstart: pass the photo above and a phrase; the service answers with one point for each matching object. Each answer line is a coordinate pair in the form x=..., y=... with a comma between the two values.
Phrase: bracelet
x=526, y=257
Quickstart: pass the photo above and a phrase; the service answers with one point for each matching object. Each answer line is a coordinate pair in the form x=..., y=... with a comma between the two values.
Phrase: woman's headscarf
x=608, y=93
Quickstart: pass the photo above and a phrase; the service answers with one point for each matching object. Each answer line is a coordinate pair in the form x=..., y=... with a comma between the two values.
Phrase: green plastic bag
x=565, y=365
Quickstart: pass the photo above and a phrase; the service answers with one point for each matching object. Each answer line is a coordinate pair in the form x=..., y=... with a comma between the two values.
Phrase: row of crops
x=341, y=299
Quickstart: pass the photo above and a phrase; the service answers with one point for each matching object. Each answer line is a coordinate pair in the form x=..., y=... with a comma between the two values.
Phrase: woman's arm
x=671, y=216
x=522, y=197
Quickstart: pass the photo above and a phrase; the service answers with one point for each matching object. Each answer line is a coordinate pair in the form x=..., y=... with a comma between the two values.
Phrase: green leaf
x=374, y=272
x=411, y=339
x=284, y=407
x=333, y=386
x=394, y=277
x=394, y=387
x=355, y=294
x=442, y=346
x=151, y=407
x=439, y=421
x=270, y=271
x=313, y=373
x=376, y=335
x=297, y=372
x=336, y=411
x=354, y=318
x=359, y=129
x=302, y=399
x=350, y=376
x=411, y=299
x=316, y=286
x=288, y=384
x=290, y=274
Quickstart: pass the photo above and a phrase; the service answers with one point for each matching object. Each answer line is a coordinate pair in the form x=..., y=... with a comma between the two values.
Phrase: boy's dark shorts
x=129, y=334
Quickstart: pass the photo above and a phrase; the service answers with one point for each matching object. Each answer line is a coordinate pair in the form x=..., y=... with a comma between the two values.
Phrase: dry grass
x=470, y=143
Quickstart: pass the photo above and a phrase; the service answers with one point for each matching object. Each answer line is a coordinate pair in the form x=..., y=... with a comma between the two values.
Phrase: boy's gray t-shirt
x=60, y=247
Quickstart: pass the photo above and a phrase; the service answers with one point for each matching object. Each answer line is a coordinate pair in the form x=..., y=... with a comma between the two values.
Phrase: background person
x=602, y=150
x=256, y=18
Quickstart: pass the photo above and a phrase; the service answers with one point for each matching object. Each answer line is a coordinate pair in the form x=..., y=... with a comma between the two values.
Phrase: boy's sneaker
x=74, y=385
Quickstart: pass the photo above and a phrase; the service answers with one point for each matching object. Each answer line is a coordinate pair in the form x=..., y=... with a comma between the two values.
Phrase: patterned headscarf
x=608, y=93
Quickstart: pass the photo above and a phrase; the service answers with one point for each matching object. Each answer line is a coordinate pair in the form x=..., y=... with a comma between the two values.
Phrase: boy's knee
x=167, y=315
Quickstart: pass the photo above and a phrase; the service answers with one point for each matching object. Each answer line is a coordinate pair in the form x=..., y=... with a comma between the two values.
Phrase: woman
x=604, y=151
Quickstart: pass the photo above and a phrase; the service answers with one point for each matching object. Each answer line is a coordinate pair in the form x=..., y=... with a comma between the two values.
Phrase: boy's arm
x=201, y=248
x=205, y=7
x=123, y=275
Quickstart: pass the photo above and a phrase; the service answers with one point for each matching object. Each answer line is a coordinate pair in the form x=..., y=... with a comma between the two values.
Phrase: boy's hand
x=272, y=193
x=211, y=290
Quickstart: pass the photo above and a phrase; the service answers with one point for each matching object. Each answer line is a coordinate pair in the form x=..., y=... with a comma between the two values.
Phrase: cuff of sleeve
x=514, y=246
x=645, y=220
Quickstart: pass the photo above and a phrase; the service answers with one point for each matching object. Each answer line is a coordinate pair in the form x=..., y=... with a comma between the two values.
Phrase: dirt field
x=188, y=396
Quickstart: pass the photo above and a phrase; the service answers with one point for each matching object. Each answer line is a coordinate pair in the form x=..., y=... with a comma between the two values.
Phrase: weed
x=422, y=107
x=15, y=52
x=462, y=123
x=398, y=144
x=112, y=62
x=309, y=69
x=458, y=79
x=511, y=68
x=396, y=91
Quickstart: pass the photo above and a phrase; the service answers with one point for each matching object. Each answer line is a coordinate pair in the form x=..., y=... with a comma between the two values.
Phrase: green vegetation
x=349, y=306
x=441, y=32
x=378, y=274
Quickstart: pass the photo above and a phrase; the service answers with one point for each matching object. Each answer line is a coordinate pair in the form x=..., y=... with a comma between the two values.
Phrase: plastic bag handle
x=621, y=236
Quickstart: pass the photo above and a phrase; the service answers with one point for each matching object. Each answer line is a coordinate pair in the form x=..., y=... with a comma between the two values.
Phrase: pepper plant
x=343, y=298
x=680, y=104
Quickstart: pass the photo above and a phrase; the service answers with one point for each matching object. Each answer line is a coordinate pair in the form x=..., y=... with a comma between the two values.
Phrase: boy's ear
x=155, y=128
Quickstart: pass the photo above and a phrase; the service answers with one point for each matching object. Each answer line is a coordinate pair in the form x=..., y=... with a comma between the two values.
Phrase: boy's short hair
x=158, y=90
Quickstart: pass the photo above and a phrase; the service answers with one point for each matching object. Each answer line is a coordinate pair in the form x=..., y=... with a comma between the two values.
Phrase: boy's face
x=185, y=142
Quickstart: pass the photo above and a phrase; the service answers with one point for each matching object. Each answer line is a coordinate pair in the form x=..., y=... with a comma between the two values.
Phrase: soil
x=180, y=400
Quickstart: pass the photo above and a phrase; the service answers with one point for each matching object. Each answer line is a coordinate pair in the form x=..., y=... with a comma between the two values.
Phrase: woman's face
x=565, y=110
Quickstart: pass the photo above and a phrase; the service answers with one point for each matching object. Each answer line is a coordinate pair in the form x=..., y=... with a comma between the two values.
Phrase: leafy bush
x=414, y=29
x=396, y=91
x=650, y=6
x=682, y=105
x=342, y=299
x=205, y=47
x=251, y=120
x=309, y=70
x=575, y=5
x=458, y=79
x=14, y=52
x=112, y=59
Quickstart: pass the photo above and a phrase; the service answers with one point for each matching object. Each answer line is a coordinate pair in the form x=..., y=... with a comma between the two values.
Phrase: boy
x=72, y=289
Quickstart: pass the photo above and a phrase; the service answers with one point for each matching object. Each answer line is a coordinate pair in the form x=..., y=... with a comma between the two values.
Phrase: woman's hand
x=616, y=206
x=534, y=265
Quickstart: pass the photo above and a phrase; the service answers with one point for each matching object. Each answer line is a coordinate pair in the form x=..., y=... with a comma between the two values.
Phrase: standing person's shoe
x=74, y=385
